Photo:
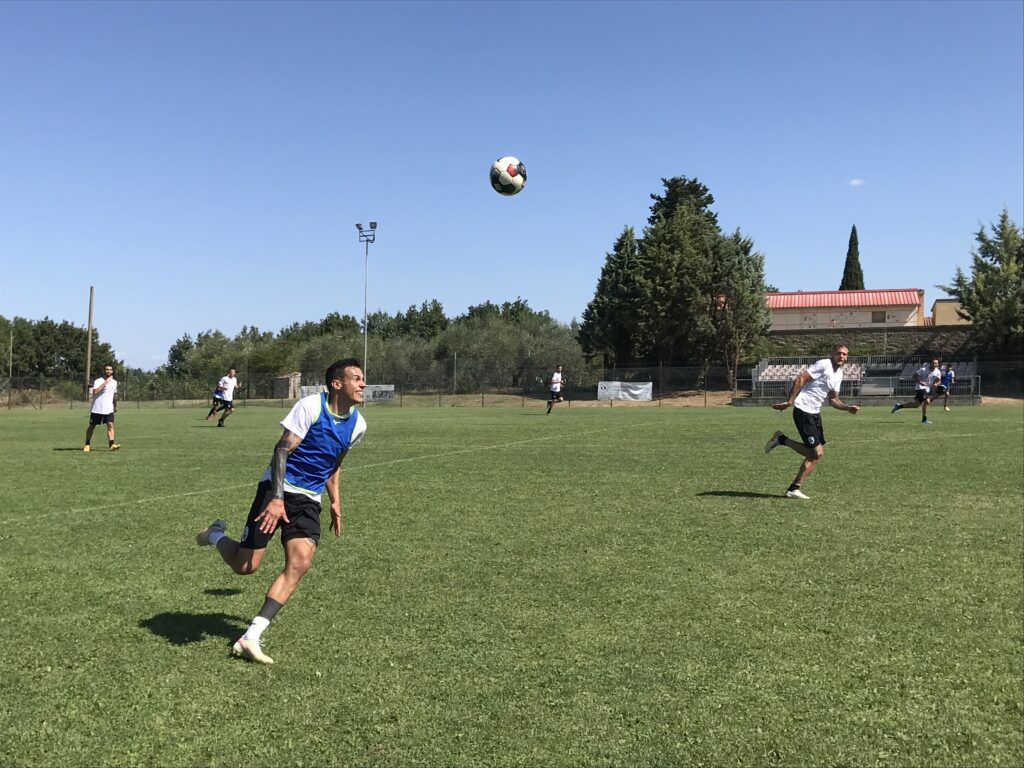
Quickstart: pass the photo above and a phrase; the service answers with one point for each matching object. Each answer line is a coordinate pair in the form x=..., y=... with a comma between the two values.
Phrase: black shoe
x=220, y=423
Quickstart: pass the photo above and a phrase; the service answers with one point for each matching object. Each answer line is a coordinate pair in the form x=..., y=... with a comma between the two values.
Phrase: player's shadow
x=79, y=449
x=742, y=494
x=222, y=591
x=183, y=628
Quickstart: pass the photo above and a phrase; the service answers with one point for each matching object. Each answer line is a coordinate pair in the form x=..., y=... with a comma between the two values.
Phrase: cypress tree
x=853, y=276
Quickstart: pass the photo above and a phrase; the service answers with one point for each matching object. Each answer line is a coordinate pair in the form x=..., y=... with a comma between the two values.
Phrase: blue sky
x=203, y=164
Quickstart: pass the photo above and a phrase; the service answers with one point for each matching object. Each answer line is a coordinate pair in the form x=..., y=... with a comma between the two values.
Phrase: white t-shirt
x=556, y=381
x=227, y=386
x=824, y=379
x=103, y=403
x=928, y=376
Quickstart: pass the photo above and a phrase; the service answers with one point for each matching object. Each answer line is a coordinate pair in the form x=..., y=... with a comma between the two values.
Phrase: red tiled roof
x=807, y=299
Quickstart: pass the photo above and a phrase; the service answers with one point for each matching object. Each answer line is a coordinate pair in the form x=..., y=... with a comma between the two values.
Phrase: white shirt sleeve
x=302, y=416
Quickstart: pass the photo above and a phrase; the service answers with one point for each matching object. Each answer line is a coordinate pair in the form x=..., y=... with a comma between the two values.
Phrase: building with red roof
x=810, y=310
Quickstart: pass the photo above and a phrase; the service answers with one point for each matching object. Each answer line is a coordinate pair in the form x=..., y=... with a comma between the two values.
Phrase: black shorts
x=939, y=390
x=101, y=418
x=920, y=395
x=809, y=427
x=303, y=519
x=220, y=404
x=556, y=395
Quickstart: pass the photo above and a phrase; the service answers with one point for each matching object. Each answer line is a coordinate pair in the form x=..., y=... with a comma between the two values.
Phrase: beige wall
x=944, y=312
x=843, y=317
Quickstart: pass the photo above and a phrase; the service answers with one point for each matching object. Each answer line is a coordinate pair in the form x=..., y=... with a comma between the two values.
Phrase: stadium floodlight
x=366, y=237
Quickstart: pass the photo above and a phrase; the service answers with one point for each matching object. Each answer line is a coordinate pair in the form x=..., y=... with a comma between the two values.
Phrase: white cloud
x=856, y=182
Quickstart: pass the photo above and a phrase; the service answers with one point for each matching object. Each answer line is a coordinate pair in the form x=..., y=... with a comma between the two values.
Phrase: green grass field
x=598, y=587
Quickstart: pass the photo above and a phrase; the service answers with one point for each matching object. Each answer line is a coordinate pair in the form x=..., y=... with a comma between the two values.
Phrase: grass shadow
x=742, y=494
x=184, y=628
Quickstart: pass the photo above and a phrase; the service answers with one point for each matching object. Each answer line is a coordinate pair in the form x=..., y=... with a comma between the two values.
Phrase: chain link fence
x=452, y=382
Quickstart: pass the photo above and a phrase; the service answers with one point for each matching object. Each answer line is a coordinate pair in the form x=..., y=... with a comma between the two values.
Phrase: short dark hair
x=337, y=369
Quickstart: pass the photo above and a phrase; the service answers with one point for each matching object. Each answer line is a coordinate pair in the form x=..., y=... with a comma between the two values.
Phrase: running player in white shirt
x=820, y=382
x=224, y=397
x=925, y=379
x=555, y=387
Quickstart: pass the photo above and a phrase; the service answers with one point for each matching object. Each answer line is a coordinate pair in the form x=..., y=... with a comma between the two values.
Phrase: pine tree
x=992, y=298
x=853, y=276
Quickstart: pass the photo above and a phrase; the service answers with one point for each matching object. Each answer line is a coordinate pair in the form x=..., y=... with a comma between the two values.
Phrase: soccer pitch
x=597, y=587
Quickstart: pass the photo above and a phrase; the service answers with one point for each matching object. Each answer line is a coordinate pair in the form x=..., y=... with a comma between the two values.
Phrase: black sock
x=270, y=608
x=793, y=487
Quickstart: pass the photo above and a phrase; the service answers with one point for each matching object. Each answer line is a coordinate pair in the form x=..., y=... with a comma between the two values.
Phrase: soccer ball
x=508, y=175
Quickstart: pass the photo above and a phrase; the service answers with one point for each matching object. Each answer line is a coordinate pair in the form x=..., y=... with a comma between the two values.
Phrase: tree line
x=680, y=291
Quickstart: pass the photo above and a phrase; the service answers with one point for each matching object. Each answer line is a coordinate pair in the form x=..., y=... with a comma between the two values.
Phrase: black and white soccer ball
x=508, y=175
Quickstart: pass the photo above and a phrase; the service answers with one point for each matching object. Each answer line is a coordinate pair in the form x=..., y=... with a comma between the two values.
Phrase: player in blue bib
x=946, y=385
x=319, y=431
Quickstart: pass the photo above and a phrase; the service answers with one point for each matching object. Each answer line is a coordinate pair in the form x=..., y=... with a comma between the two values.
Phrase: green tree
x=177, y=357
x=682, y=292
x=608, y=326
x=427, y=322
x=853, y=276
x=742, y=313
x=51, y=349
x=381, y=325
x=992, y=298
x=681, y=192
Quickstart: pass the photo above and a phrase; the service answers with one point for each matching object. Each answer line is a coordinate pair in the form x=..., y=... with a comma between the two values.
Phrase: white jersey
x=226, y=387
x=926, y=378
x=824, y=379
x=103, y=403
x=556, y=381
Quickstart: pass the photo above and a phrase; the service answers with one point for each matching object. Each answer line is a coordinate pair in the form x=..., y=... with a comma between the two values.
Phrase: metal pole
x=366, y=236
x=88, y=347
x=366, y=282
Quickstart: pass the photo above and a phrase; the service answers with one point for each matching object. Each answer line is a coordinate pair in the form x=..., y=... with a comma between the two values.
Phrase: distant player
x=319, y=431
x=926, y=377
x=946, y=385
x=224, y=397
x=820, y=382
x=104, y=406
x=555, y=388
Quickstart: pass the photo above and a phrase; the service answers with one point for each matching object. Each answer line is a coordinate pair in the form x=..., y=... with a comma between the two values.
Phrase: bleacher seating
x=782, y=372
x=889, y=377
x=884, y=369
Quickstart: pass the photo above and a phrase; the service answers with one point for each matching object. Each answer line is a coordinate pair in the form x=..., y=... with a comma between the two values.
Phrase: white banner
x=374, y=393
x=379, y=393
x=624, y=390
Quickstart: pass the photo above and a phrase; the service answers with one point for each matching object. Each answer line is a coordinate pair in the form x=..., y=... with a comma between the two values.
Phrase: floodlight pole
x=366, y=236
